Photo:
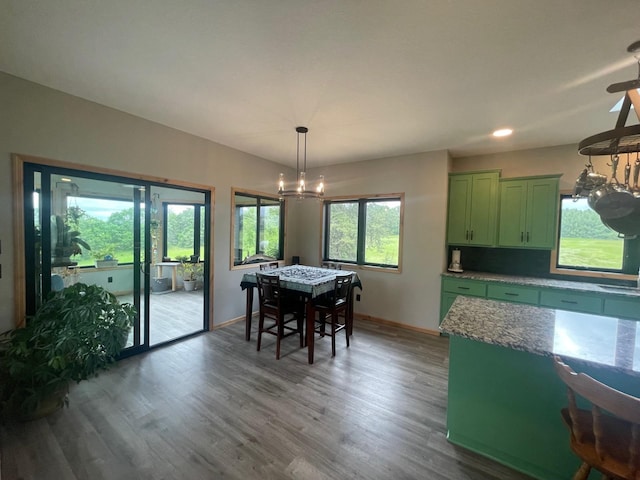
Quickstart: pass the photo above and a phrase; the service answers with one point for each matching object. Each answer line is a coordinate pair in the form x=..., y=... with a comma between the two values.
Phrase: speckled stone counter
x=547, y=282
x=504, y=397
x=602, y=341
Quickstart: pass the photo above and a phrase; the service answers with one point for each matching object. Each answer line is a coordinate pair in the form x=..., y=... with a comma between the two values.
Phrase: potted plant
x=104, y=258
x=67, y=242
x=75, y=333
x=190, y=273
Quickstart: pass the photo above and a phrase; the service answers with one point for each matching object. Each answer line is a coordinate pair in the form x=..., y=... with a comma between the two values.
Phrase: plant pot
x=106, y=263
x=51, y=404
x=189, y=285
x=160, y=284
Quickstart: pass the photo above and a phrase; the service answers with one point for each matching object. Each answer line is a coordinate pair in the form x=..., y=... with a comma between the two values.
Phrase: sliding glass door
x=115, y=232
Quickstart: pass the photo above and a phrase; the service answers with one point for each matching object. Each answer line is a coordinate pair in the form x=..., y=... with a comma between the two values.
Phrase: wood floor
x=212, y=407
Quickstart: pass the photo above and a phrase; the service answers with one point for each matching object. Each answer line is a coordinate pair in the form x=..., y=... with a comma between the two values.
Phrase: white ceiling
x=370, y=78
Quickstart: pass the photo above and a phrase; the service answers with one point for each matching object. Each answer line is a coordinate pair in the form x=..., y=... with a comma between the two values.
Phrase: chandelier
x=301, y=190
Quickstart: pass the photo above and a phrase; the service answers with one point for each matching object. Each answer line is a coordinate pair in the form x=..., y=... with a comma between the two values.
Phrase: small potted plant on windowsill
x=104, y=259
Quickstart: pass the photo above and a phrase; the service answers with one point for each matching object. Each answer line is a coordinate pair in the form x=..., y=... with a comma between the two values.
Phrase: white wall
x=36, y=120
x=563, y=159
x=413, y=296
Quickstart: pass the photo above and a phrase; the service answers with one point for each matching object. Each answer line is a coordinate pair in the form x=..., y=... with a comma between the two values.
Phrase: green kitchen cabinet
x=528, y=212
x=622, y=307
x=513, y=293
x=452, y=287
x=473, y=205
x=574, y=301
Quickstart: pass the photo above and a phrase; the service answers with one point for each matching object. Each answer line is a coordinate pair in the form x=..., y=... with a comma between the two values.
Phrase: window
x=183, y=234
x=106, y=225
x=585, y=243
x=364, y=231
x=258, y=227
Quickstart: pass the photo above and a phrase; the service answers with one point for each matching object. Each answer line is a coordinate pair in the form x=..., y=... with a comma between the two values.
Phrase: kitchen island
x=504, y=398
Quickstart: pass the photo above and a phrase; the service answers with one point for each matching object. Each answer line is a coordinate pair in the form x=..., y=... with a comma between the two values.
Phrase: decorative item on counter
x=455, y=265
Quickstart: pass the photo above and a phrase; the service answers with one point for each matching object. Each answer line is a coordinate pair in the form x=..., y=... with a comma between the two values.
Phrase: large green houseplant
x=75, y=333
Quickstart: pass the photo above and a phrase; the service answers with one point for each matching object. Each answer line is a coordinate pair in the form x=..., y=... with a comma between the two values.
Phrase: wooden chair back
x=268, y=290
x=269, y=266
x=606, y=437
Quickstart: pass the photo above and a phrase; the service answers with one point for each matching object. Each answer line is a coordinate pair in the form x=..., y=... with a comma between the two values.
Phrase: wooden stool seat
x=606, y=436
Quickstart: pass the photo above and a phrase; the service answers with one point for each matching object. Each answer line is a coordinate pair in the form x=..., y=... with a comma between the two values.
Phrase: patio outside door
x=129, y=227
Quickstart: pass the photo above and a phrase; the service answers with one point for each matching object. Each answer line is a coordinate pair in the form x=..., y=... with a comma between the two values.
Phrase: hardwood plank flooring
x=212, y=407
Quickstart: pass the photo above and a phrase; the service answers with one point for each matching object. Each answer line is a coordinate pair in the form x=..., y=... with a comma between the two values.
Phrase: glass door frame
x=24, y=166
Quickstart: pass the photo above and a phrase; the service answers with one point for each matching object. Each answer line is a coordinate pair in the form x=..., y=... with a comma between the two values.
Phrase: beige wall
x=39, y=121
x=563, y=159
x=413, y=296
x=43, y=122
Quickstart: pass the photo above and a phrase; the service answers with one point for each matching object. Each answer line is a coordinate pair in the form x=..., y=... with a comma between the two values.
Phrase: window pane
x=343, y=231
x=246, y=226
x=257, y=228
x=585, y=242
x=382, y=238
x=270, y=228
x=105, y=225
x=202, y=231
x=180, y=231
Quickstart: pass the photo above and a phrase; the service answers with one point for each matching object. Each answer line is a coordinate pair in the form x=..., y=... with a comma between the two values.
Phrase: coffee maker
x=455, y=265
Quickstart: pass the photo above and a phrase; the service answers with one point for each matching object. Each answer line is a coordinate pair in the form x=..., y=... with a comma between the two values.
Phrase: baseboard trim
x=382, y=321
x=356, y=316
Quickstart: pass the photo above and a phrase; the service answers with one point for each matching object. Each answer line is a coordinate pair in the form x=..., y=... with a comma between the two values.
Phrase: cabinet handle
x=471, y=234
x=512, y=294
x=572, y=302
x=527, y=237
x=521, y=237
x=466, y=235
x=463, y=288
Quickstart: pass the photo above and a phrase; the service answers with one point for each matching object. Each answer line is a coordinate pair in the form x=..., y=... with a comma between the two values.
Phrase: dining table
x=308, y=281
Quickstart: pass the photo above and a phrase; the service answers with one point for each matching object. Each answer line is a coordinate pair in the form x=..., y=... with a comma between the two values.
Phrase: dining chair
x=333, y=306
x=605, y=437
x=268, y=266
x=279, y=309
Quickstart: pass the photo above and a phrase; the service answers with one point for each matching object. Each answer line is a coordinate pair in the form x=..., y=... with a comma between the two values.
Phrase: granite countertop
x=604, y=341
x=548, y=282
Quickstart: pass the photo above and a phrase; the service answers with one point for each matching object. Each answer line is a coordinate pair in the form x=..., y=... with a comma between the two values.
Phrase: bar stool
x=276, y=306
x=608, y=442
x=335, y=304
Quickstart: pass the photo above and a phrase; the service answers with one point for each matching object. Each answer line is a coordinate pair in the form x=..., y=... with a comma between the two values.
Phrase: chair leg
x=279, y=336
x=334, y=321
x=300, y=315
x=583, y=472
x=260, y=328
x=346, y=327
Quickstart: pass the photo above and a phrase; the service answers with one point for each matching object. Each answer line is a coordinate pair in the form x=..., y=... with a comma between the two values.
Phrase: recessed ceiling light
x=503, y=132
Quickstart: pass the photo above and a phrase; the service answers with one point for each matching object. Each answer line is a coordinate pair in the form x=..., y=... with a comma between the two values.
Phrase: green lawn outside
x=589, y=252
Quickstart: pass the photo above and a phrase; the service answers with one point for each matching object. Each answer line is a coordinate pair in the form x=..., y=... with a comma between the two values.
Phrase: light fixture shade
x=302, y=189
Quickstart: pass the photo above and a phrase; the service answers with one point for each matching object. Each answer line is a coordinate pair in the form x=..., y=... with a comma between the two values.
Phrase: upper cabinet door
x=459, y=208
x=542, y=213
x=472, y=208
x=528, y=212
x=484, y=205
x=513, y=204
